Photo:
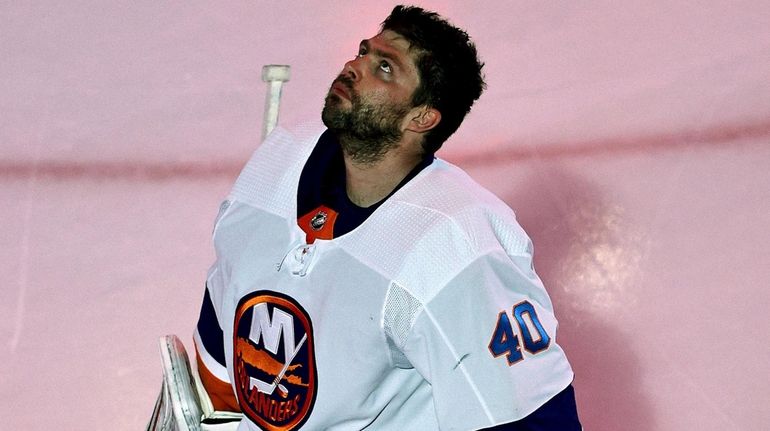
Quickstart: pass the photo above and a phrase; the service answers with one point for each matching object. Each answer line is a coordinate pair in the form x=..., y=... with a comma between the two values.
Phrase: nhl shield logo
x=319, y=220
x=275, y=372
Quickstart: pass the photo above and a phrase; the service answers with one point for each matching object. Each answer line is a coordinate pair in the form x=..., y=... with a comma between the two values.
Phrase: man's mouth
x=341, y=90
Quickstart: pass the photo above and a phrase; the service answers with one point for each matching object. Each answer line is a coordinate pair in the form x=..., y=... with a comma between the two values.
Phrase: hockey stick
x=275, y=75
x=286, y=365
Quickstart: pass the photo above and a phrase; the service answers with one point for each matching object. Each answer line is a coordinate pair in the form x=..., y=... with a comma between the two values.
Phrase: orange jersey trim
x=221, y=393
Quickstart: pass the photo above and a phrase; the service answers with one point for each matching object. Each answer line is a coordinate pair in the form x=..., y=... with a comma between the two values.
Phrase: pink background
x=631, y=138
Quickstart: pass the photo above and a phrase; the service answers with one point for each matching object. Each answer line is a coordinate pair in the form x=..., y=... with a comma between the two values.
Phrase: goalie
x=361, y=282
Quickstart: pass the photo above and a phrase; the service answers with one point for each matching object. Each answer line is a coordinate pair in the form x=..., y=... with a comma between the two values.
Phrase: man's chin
x=332, y=113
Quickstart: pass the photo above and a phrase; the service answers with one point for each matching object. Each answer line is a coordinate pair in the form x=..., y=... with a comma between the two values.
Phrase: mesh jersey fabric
x=403, y=307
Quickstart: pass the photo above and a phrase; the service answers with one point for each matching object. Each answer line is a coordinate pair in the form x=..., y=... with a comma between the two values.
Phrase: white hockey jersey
x=428, y=315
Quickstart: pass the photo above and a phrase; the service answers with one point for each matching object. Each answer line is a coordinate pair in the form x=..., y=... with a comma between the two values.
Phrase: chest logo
x=275, y=372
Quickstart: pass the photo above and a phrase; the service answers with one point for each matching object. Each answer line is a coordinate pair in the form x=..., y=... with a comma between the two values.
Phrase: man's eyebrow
x=390, y=55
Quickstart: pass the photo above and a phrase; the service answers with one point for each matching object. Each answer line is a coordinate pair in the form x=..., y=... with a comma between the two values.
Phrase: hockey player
x=361, y=282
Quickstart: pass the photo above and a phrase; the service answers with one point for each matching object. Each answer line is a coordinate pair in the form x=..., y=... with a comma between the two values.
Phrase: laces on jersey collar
x=298, y=259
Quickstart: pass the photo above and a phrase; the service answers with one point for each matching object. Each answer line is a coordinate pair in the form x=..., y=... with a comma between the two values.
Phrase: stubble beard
x=366, y=131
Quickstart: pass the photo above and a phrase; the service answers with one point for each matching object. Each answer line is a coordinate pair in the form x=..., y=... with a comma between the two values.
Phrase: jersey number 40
x=533, y=336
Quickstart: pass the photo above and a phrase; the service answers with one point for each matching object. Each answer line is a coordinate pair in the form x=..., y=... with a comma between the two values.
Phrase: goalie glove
x=183, y=404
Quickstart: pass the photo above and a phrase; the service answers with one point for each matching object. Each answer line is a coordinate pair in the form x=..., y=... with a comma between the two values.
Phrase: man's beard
x=366, y=131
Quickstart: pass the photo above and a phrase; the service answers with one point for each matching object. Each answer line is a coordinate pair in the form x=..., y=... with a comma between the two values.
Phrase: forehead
x=391, y=40
x=397, y=47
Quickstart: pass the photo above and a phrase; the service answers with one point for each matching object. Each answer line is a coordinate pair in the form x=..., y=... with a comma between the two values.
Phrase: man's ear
x=423, y=118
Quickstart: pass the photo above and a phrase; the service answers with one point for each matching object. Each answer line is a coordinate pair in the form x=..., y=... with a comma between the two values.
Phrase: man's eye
x=385, y=67
x=361, y=52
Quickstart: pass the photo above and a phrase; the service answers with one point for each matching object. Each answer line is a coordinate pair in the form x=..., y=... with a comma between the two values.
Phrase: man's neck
x=369, y=183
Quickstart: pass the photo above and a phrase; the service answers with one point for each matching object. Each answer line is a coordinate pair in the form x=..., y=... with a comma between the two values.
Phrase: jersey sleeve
x=486, y=342
x=208, y=336
x=210, y=349
x=558, y=414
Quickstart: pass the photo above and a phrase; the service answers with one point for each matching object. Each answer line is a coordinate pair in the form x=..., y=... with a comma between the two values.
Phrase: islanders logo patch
x=275, y=372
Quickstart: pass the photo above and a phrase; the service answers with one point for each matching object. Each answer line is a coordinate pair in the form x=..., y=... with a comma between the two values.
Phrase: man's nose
x=353, y=69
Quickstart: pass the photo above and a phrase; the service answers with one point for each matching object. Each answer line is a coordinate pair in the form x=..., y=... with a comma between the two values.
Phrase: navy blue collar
x=322, y=182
